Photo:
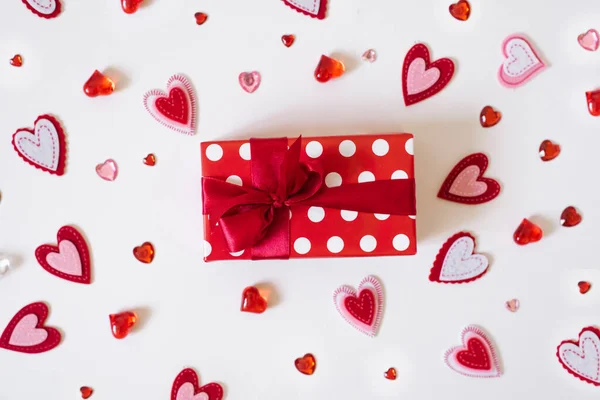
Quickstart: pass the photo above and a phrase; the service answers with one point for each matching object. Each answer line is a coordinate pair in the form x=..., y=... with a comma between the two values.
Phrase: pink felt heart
x=589, y=40
x=476, y=357
x=250, y=81
x=186, y=392
x=521, y=62
x=107, y=170
x=26, y=333
x=466, y=183
x=361, y=308
x=419, y=79
x=67, y=260
x=187, y=387
x=175, y=108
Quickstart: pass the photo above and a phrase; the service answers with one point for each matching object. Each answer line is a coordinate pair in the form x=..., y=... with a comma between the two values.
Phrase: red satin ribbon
x=257, y=217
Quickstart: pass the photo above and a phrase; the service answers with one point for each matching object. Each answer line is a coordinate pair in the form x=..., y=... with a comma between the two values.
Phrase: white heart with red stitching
x=45, y=7
x=41, y=148
x=460, y=263
x=582, y=359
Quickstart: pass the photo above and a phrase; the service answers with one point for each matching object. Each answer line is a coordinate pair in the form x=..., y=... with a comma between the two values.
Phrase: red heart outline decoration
x=440, y=260
x=588, y=334
x=40, y=310
x=28, y=135
x=444, y=65
x=479, y=160
x=362, y=309
x=53, y=14
x=319, y=7
x=72, y=235
x=476, y=357
x=189, y=376
x=176, y=108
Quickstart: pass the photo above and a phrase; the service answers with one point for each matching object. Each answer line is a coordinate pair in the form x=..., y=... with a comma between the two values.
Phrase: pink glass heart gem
x=107, y=170
x=250, y=81
x=370, y=55
x=589, y=40
x=512, y=305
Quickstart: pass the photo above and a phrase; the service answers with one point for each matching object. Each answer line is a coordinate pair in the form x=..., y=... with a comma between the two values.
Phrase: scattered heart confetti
x=593, y=101
x=460, y=10
x=457, y=262
x=44, y=8
x=86, y=392
x=589, y=40
x=584, y=286
x=150, y=160
x=176, y=108
x=521, y=62
x=361, y=308
x=390, y=374
x=252, y=301
x=44, y=147
x=70, y=259
x=26, y=333
x=476, y=357
x=489, y=117
x=570, y=217
x=98, y=85
x=288, y=40
x=312, y=8
x=370, y=55
x=328, y=68
x=549, y=150
x=465, y=183
x=513, y=305
x=187, y=387
x=144, y=253
x=527, y=232
x=306, y=364
x=250, y=81
x=131, y=6
x=582, y=358
x=200, y=18
x=108, y=170
x=122, y=323
x=16, y=61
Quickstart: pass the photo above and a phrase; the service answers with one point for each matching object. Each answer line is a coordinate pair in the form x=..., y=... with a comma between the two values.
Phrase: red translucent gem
x=122, y=323
x=252, y=301
x=549, y=150
x=584, y=286
x=98, y=85
x=570, y=217
x=144, y=253
x=489, y=117
x=288, y=40
x=306, y=364
x=16, y=61
x=328, y=68
x=593, y=101
x=461, y=10
x=200, y=18
x=513, y=305
x=390, y=374
x=150, y=160
x=131, y=6
x=527, y=232
x=86, y=392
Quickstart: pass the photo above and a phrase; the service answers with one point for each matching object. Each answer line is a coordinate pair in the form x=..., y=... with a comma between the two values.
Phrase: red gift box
x=316, y=231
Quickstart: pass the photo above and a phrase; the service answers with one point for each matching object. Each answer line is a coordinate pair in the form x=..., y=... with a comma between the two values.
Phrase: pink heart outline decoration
x=419, y=78
x=180, y=117
x=457, y=262
x=187, y=387
x=573, y=355
x=474, y=338
x=313, y=8
x=69, y=266
x=369, y=289
x=521, y=62
x=26, y=333
x=108, y=170
x=589, y=40
x=250, y=81
x=44, y=8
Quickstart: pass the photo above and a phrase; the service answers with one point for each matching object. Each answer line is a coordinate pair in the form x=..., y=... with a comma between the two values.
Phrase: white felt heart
x=460, y=263
x=46, y=7
x=41, y=148
x=521, y=63
x=186, y=392
x=310, y=6
x=583, y=359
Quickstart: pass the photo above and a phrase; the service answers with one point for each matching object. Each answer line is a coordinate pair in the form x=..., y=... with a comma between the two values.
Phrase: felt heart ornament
x=582, y=358
x=26, y=333
x=521, y=62
x=312, y=8
x=457, y=262
x=589, y=40
x=175, y=108
x=69, y=260
x=44, y=147
x=186, y=387
x=476, y=357
x=44, y=8
x=421, y=78
x=465, y=184
x=363, y=308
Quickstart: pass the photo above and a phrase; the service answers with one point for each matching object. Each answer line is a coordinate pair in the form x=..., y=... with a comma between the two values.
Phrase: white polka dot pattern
x=349, y=215
x=314, y=149
x=368, y=243
x=347, y=148
x=207, y=249
x=366, y=176
x=408, y=146
x=401, y=242
x=333, y=179
x=316, y=214
x=382, y=217
x=302, y=245
x=245, y=151
x=335, y=244
x=234, y=179
x=214, y=152
x=237, y=253
x=380, y=147
x=399, y=174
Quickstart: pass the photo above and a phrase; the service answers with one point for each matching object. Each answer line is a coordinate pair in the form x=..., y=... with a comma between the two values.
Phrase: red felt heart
x=465, y=184
x=416, y=86
x=174, y=107
x=475, y=356
x=187, y=382
x=26, y=333
x=312, y=8
x=362, y=307
x=71, y=235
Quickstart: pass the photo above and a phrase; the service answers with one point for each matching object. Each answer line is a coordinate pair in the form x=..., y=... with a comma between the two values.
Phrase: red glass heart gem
x=306, y=364
x=16, y=61
x=122, y=323
x=549, y=150
x=584, y=286
x=570, y=217
x=390, y=374
x=200, y=18
x=527, y=232
x=144, y=253
x=131, y=6
x=288, y=40
x=461, y=10
x=328, y=68
x=150, y=160
x=98, y=85
x=593, y=101
x=489, y=117
x=252, y=301
x=86, y=392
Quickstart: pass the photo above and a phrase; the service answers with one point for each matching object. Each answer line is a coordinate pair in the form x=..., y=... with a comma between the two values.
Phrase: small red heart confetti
x=489, y=117
x=593, y=101
x=288, y=40
x=306, y=364
x=461, y=10
x=370, y=56
x=527, y=232
x=86, y=392
x=16, y=61
x=200, y=18
x=144, y=253
x=252, y=301
x=131, y=6
x=584, y=286
x=513, y=305
x=549, y=150
x=328, y=68
x=150, y=160
x=570, y=217
x=98, y=85
x=390, y=374
x=122, y=323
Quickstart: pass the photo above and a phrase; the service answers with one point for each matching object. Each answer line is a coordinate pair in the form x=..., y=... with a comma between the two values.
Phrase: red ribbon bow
x=257, y=217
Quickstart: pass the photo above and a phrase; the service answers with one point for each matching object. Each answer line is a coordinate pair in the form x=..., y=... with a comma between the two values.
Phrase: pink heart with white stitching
x=521, y=62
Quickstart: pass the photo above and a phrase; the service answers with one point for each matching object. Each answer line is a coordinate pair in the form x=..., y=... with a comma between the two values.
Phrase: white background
x=189, y=310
